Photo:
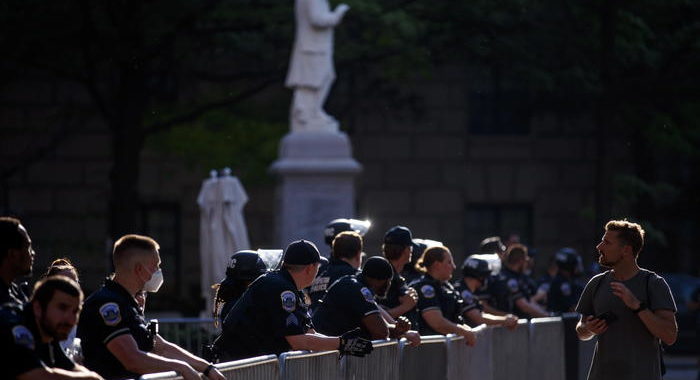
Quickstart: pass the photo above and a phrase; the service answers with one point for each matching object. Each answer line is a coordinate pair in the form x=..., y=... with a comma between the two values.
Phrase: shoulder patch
x=565, y=289
x=289, y=301
x=369, y=297
x=110, y=313
x=428, y=291
x=467, y=297
x=23, y=336
x=513, y=285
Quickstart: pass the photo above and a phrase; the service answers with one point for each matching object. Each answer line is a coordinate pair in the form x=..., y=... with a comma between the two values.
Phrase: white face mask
x=155, y=282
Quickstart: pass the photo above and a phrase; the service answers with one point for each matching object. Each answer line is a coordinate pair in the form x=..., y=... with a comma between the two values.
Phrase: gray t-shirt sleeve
x=585, y=303
x=660, y=297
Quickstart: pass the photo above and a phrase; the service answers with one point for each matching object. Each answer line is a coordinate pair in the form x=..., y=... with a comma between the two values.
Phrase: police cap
x=378, y=268
x=398, y=235
x=301, y=252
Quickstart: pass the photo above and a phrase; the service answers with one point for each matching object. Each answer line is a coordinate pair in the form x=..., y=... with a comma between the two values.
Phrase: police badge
x=428, y=291
x=110, y=313
x=289, y=301
x=369, y=297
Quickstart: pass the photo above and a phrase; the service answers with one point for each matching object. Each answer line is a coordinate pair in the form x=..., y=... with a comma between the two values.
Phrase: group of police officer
x=304, y=303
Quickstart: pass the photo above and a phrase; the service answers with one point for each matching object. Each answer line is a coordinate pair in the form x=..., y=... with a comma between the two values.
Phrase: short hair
x=60, y=265
x=629, y=233
x=515, y=253
x=127, y=245
x=393, y=251
x=295, y=268
x=430, y=256
x=347, y=245
x=10, y=235
x=45, y=289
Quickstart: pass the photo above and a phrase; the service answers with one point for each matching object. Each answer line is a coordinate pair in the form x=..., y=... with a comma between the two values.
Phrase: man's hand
x=413, y=338
x=402, y=325
x=594, y=325
x=510, y=322
x=351, y=343
x=469, y=336
x=214, y=374
x=410, y=299
x=620, y=290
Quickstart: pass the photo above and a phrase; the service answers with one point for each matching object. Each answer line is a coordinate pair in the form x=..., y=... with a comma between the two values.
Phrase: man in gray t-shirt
x=629, y=308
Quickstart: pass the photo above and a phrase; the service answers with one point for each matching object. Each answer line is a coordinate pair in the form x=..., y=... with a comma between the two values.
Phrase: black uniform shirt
x=470, y=302
x=271, y=309
x=397, y=289
x=335, y=269
x=433, y=294
x=108, y=313
x=563, y=294
x=23, y=347
x=12, y=293
x=506, y=290
x=347, y=301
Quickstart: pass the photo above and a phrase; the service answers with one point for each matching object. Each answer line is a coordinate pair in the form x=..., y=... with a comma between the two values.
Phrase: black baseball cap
x=301, y=252
x=399, y=235
x=378, y=268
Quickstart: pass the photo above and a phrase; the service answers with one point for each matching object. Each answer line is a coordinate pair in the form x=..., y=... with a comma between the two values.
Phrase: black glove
x=352, y=344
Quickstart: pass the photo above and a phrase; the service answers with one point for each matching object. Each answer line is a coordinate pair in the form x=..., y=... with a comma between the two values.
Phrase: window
x=484, y=220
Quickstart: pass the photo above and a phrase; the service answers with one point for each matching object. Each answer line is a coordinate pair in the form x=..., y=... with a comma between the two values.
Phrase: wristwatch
x=642, y=306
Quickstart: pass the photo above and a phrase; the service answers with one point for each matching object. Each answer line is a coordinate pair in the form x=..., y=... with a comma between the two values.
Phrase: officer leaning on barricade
x=243, y=267
x=400, y=299
x=271, y=317
x=350, y=303
x=476, y=274
x=16, y=259
x=564, y=291
x=116, y=341
x=493, y=248
x=509, y=291
x=439, y=306
x=30, y=334
x=345, y=260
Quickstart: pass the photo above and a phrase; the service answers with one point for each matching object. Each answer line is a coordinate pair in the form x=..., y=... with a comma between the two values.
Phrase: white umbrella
x=222, y=228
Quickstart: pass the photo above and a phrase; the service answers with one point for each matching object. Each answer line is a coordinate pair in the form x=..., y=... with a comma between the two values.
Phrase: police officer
x=439, y=306
x=271, y=317
x=400, y=299
x=115, y=339
x=564, y=291
x=337, y=226
x=16, y=259
x=243, y=267
x=510, y=290
x=30, y=334
x=476, y=273
x=346, y=258
x=350, y=303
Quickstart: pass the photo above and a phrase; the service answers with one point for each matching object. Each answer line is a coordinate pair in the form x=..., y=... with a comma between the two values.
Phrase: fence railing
x=535, y=350
x=189, y=333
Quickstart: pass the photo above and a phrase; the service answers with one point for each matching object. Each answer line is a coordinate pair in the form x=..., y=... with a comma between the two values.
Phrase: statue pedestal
x=316, y=173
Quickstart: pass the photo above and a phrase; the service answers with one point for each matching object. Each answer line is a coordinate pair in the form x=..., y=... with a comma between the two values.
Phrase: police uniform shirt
x=23, y=347
x=432, y=295
x=271, y=309
x=12, y=293
x=469, y=302
x=335, y=269
x=563, y=294
x=397, y=289
x=506, y=290
x=108, y=313
x=347, y=301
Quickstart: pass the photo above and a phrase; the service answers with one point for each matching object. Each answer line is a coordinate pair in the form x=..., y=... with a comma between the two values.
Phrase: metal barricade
x=324, y=365
x=547, y=349
x=257, y=368
x=510, y=352
x=464, y=362
x=427, y=361
x=382, y=363
x=189, y=333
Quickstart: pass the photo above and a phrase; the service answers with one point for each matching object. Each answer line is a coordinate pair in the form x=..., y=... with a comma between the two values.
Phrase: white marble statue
x=311, y=71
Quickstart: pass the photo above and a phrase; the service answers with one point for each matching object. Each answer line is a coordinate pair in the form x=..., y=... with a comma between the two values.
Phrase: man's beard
x=56, y=332
x=607, y=263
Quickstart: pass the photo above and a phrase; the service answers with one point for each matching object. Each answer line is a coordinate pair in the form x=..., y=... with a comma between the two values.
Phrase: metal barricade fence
x=464, y=362
x=189, y=333
x=510, y=352
x=257, y=368
x=382, y=363
x=324, y=365
x=427, y=361
x=547, y=353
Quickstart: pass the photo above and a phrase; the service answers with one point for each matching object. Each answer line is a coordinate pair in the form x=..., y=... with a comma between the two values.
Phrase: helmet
x=492, y=244
x=567, y=259
x=476, y=268
x=337, y=226
x=245, y=265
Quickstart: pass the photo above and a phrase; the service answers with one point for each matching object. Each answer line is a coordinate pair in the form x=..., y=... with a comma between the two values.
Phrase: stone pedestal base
x=316, y=185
